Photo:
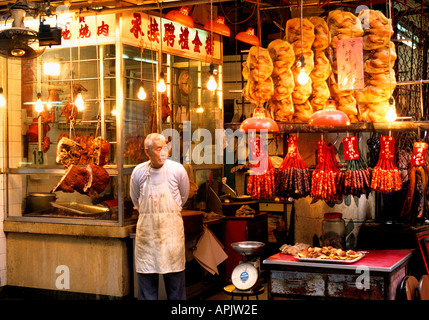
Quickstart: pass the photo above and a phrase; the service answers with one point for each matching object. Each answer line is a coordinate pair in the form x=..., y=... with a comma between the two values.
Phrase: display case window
x=60, y=146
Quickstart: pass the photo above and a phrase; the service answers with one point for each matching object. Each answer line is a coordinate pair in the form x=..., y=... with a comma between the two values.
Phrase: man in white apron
x=159, y=188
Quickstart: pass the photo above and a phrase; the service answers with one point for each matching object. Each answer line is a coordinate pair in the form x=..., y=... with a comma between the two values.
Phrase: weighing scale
x=246, y=275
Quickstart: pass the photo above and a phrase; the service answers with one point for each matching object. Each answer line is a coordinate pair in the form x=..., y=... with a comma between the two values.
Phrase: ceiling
x=239, y=14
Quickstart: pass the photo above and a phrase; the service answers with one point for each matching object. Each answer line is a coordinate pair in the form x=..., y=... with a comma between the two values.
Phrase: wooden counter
x=380, y=270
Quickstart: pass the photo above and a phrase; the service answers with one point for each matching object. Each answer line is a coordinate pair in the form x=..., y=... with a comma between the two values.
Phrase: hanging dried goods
x=385, y=176
x=342, y=25
x=379, y=58
x=323, y=179
x=356, y=179
x=415, y=200
x=293, y=176
x=261, y=183
x=280, y=105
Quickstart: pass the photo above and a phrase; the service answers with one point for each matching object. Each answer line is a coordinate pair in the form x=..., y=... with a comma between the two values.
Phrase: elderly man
x=159, y=188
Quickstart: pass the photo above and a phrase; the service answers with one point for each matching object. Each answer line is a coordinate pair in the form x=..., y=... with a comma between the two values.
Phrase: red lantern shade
x=218, y=26
x=181, y=17
x=329, y=116
x=248, y=37
x=259, y=122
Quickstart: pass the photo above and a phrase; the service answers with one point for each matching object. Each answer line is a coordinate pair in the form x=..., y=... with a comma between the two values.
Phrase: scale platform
x=233, y=291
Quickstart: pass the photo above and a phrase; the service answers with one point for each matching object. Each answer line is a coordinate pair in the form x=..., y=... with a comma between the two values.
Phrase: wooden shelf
x=286, y=127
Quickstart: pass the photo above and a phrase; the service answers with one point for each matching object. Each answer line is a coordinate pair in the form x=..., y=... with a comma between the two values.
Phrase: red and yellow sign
x=137, y=29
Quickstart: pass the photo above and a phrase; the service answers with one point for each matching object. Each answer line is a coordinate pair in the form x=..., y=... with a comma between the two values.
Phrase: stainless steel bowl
x=248, y=248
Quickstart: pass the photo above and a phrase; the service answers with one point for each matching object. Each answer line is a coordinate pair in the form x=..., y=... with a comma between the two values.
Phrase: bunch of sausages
x=261, y=183
x=323, y=179
x=385, y=176
x=356, y=179
x=293, y=177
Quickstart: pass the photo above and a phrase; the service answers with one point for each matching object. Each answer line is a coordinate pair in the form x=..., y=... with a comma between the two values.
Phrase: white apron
x=160, y=238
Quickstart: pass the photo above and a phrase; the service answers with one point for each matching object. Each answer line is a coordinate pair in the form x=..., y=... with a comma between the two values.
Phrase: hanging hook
x=336, y=139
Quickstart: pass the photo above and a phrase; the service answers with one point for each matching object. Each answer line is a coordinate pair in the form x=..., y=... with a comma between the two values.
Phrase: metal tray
x=330, y=260
x=81, y=209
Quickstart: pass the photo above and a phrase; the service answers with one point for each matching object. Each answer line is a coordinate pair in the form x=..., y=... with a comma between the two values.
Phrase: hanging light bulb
x=142, y=93
x=2, y=99
x=49, y=104
x=200, y=109
x=211, y=84
x=51, y=68
x=79, y=103
x=161, y=84
x=302, y=76
x=391, y=113
x=39, y=105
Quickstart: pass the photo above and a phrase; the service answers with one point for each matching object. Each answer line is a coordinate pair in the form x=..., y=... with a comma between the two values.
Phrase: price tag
x=35, y=156
x=321, y=151
x=258, y=156
x=351, y=148
x=350, y=64
x=292, y=146
x=419, y=154
x=387, y=147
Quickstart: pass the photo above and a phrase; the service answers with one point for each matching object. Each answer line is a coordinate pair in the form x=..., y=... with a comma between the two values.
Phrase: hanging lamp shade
x=259, y=122
x=218, y=26
x=248, y=36
x=181, y=16
x=329, y=116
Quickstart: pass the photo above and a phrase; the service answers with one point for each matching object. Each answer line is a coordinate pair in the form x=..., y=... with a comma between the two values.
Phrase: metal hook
x=336, y=139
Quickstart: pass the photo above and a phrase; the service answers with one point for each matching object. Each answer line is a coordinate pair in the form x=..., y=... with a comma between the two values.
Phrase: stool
x=233, y=292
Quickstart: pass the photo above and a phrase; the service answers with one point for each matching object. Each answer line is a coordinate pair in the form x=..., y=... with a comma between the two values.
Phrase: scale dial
x=244, y=276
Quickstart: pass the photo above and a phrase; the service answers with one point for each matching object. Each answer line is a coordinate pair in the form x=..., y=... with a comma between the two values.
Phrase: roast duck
x=91, y=152
x=272, y=73
x=69, y=110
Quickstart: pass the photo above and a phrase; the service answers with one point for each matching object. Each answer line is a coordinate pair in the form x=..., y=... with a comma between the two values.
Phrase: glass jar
x=333, y=230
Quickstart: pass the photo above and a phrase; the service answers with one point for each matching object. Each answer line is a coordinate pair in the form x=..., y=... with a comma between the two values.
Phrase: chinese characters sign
x=174, y=38
x=137, y=29
x=89, y=30
x=419, y=154
x=350, y=64
x=351, y=148
x=387, y=147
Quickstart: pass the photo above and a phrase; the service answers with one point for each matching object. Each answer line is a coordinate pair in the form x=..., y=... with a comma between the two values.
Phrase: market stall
x=330, y=149
x=83, y=122
x=334, y=82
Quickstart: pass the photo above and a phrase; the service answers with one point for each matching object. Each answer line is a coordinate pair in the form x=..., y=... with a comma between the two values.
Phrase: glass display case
x=71, y=165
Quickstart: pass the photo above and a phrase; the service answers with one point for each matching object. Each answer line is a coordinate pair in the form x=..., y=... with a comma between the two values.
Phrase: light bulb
x=391, y=114
x=161, y=86
x=200, y=109
x=302, y=77
x=2, y=99
x=79, y=103
x=211, y=84
x=142, y=94
x=51, y=68
x=39, y=105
